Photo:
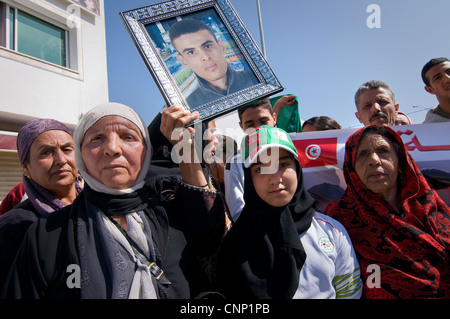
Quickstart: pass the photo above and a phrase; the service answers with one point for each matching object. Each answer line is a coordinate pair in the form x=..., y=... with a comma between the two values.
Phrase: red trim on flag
x=8, y=142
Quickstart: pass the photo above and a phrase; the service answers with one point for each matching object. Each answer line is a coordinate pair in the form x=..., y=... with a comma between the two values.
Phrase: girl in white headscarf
x=115, y=241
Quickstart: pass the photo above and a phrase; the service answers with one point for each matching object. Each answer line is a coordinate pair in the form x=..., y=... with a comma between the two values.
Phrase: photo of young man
x=199, y=49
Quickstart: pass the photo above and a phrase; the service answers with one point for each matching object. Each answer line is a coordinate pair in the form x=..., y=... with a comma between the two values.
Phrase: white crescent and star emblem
x=313, y=152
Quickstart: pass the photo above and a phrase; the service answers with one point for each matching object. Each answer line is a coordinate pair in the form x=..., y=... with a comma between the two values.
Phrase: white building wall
x=35, y=88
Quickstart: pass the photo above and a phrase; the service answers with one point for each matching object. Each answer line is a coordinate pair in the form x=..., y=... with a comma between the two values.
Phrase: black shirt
x=236, y=81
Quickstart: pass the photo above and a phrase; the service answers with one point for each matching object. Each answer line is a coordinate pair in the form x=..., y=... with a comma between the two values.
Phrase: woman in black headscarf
x=280, y=247
x=115, y=241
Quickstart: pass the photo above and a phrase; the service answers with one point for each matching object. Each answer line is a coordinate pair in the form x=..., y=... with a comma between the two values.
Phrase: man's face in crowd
x=377, y=107
x=254, y=117
x=203, y=54
x=439, y=78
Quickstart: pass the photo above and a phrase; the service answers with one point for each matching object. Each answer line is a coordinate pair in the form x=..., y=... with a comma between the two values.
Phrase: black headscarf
x=106, y=269
x=262, y=255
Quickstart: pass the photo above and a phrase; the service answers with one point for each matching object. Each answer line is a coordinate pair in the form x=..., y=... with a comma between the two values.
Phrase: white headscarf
x=92, y=117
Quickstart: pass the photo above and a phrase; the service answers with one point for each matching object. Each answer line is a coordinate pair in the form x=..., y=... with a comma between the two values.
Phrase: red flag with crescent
x=317, y=152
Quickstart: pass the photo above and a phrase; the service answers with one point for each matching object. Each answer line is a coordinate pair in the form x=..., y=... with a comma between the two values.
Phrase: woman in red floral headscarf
x=395, y=219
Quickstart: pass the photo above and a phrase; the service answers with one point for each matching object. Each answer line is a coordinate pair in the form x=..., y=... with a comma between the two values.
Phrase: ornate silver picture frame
x=186, y=59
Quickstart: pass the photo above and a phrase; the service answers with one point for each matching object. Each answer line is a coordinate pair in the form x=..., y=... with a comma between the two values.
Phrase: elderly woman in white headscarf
x=114, y=241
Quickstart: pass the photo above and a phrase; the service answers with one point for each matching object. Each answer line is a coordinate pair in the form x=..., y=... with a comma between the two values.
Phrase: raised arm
x=287, y=100
x=173, y=122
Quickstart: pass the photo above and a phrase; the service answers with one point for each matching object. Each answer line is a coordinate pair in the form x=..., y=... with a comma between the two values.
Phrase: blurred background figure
x=402, y=119
x=320, y=123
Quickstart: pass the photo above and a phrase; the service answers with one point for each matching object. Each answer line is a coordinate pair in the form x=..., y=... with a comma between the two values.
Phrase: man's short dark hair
x=372, y=85
x=186, y=26
x=428, y=66
x=322, y=123
x=262, y=103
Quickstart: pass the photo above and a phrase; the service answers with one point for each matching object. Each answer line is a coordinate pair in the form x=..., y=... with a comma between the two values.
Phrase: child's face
x=276, y=189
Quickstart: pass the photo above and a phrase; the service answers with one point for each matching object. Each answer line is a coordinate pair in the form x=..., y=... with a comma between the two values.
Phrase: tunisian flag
x=317, y=152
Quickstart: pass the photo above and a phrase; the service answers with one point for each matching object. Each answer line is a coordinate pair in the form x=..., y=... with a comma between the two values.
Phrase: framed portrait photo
x=201, y=55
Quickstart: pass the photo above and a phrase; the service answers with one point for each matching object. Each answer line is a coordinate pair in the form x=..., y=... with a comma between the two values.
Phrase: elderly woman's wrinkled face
x=377, y=166
x=51, y=161
x=113, y=151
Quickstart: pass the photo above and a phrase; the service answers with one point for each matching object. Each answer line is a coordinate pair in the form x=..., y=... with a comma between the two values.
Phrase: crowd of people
x=112, y=211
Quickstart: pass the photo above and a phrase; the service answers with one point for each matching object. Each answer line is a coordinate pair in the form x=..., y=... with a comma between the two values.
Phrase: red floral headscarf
x=411, y=246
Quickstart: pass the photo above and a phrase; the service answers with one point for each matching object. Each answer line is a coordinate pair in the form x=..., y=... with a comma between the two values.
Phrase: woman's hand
x=173, y=122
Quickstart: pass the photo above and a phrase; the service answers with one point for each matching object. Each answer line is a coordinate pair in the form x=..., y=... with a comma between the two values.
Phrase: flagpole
x=263, y=46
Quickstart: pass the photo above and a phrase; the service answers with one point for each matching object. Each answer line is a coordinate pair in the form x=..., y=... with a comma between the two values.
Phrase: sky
x=320, y=50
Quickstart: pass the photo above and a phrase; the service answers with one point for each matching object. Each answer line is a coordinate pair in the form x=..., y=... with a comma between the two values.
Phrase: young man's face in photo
x=203, y=54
